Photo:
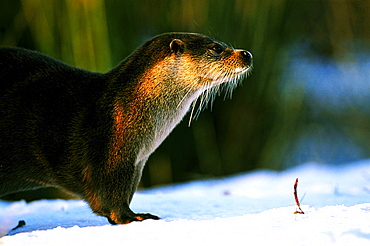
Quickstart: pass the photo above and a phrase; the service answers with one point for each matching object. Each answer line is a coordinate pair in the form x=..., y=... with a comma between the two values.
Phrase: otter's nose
x=247, y=57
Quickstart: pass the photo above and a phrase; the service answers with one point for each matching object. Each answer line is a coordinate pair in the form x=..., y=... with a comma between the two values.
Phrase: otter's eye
x=217, y=49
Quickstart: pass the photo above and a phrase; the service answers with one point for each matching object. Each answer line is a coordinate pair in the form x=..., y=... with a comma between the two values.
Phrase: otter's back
x=40, y=98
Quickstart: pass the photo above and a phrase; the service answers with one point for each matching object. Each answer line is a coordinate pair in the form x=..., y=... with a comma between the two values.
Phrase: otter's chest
x=163, y=124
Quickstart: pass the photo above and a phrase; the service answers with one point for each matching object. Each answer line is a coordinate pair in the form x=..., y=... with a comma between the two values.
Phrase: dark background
x=289, y=111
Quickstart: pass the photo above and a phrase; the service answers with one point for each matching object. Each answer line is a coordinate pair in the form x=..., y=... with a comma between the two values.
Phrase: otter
x=91, y=133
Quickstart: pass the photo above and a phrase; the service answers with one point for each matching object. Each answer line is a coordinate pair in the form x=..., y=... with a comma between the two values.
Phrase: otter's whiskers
x=228, y=80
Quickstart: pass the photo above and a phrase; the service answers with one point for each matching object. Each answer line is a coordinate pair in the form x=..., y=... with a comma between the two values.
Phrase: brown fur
x=91, y=133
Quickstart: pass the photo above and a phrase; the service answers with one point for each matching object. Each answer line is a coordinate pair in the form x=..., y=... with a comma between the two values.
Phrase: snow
x=255, y=208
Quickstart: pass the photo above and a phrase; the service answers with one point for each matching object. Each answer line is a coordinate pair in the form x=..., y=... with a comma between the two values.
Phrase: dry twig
x=296, y=198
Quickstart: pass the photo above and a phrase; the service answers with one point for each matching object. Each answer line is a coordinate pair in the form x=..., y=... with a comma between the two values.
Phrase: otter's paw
x=136, y=217
x=141, y=217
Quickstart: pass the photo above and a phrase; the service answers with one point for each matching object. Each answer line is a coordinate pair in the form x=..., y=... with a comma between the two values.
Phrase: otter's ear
x=177, y=46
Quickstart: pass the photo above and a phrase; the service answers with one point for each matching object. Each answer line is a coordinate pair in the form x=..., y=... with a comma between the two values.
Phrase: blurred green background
x=306, y=100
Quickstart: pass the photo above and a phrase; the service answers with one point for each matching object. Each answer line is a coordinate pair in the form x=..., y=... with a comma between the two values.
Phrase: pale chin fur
x=229, y=82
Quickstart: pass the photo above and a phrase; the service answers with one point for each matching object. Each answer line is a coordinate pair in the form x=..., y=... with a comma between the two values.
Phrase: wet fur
x=91, y=133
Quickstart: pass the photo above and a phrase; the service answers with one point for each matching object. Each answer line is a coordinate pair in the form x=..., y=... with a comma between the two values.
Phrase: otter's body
x=91, y=133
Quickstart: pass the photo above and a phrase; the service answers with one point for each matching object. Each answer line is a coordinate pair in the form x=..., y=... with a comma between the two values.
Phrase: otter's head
x=195, y=66
x=215, y=62
x=208, y=65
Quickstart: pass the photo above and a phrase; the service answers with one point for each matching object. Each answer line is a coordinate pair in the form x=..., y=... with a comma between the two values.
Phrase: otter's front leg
x=114, y=199
x=125, y=215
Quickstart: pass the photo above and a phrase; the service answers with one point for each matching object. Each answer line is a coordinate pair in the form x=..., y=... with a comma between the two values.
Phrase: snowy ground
x=250, y=209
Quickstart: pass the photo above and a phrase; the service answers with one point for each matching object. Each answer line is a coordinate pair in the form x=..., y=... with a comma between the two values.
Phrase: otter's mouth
x=228, y=75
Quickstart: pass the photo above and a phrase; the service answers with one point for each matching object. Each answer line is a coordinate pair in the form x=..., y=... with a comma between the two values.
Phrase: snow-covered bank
x=254, y=208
